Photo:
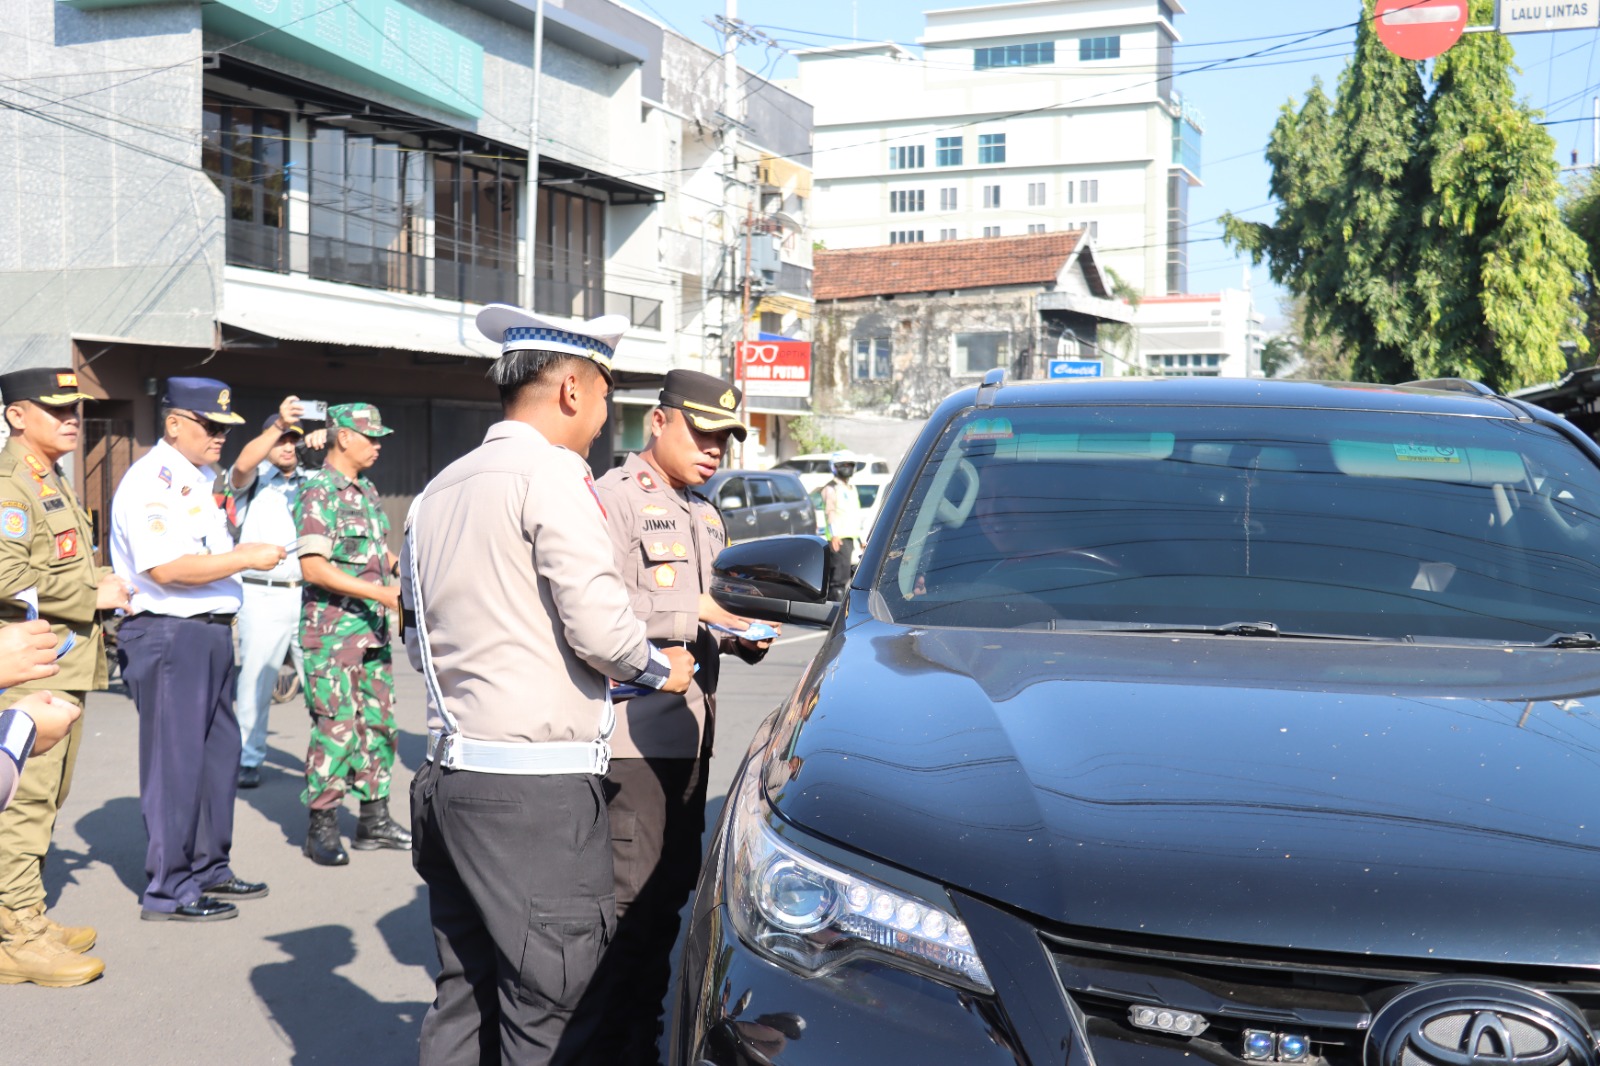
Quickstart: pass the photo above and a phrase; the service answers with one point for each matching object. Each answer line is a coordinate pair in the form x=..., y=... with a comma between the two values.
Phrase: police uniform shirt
x=665, y=542
x=526, y=613
x=267, y=517
x=162, y=510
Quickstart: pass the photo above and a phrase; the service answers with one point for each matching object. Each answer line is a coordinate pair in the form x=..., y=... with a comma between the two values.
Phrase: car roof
x=1251, y=392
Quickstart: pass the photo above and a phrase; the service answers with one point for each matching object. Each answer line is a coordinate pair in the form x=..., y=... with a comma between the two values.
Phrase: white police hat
x=516, y=330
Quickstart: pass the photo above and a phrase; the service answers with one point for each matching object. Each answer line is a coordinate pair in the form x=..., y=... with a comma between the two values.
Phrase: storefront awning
x=296, y=308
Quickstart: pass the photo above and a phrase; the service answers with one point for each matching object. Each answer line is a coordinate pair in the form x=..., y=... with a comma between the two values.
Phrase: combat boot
x=322, y=844
x=33, y=955
x=377, y=830
x=76, y=938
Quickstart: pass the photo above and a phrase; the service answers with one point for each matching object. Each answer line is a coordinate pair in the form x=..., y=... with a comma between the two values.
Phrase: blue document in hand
x=756, y=631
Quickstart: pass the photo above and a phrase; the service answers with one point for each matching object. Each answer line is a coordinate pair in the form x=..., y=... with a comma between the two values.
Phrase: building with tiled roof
x=899, y=327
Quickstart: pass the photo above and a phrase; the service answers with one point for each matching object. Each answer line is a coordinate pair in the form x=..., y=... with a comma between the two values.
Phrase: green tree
x=1120, y=340
x=1278, y=355
x=1423, y=228
x=1581, y=210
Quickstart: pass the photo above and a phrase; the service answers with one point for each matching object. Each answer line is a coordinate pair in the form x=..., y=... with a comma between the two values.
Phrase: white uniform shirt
x=269, y=517
x=164, y=509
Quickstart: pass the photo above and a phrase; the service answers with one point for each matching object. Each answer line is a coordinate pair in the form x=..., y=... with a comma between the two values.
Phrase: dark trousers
x=658, y=813
x=839, y=568
x=518, y=870
x=181, y=674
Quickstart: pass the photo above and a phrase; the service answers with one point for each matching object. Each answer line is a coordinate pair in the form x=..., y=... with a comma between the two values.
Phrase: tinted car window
x=1379, y=524
x=880, y=467
x=867, y=493
x=805, y=466
x=790, y=490
x=761, y=491
x=733, y=487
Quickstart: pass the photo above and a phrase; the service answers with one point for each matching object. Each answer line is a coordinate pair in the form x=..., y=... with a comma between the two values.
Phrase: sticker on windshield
x=989, y=429
x=1426, y=453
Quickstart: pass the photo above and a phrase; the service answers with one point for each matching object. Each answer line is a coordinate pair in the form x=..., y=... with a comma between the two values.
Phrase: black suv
x=1179, y=722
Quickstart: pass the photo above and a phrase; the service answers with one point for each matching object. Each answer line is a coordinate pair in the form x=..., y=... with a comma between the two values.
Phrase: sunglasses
x=213, y=429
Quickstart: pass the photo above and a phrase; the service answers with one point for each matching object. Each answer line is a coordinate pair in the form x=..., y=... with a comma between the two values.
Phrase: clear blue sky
x=1240, y=100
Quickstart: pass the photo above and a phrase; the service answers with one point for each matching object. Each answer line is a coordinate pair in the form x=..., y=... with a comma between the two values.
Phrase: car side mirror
x=782, y=579
x=730, y=503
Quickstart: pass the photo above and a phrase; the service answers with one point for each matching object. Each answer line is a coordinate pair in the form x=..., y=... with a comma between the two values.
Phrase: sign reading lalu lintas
x=1534, y=16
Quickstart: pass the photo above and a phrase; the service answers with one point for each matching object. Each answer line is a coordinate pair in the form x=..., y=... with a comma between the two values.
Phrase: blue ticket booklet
x=757, y=631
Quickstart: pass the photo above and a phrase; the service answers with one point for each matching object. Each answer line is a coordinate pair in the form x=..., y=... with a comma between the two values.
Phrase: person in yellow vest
x=47, y=568
x=842, y=509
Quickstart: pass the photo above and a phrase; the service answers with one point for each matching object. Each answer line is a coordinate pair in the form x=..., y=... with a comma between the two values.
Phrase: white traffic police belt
x=455, y=752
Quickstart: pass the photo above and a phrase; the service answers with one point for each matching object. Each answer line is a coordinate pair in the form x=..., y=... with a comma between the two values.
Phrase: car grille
x=1329, y=998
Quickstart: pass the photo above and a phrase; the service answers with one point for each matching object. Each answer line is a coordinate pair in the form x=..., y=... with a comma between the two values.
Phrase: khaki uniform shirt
x=527, y=616
x=46, y=541
x=665, y=541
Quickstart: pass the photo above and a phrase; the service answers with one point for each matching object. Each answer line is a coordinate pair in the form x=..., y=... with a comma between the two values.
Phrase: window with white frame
x=1089, y=191
x=949, y=200
x=906, y=236
x=1094, y=230
x=947, y=151
x=991, y=231
x=991, y=196
x=1091, y=49
x=873, y=362
x=1036, y=227
x=979, y=353
x=991, y=148
x=906, y=157
x=948, y=235
x=902, y=201
x=1035, y=194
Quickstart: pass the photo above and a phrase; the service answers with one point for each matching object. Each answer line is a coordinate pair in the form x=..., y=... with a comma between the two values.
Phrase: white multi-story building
x=1219, y=334
x=1032, y=116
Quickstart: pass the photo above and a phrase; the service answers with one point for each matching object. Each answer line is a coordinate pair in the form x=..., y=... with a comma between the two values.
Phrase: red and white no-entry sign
x=1420, y=29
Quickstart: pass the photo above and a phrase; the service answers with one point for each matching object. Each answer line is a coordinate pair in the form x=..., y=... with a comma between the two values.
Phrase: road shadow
x=277, y=798
x=114, y=835
x=324, y=1017
x=408, y=930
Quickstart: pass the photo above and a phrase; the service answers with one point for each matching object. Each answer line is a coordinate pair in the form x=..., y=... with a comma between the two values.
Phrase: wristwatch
x=17, y=733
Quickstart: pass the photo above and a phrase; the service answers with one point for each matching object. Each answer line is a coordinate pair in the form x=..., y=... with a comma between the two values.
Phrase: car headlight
x=812, y=916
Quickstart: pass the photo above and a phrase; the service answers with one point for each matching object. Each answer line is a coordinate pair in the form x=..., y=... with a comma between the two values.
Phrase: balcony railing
x=261, y=247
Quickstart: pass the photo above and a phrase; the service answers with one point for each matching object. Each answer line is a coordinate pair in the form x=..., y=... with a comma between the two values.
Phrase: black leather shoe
x=204, y=909
x=249, y=777
x=377, y=830
x=234, y=888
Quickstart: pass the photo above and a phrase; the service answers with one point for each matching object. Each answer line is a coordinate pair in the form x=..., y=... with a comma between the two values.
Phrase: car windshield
x=1379, y=524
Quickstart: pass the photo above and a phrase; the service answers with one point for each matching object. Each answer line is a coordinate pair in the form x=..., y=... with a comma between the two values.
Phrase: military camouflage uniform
x=349, y=683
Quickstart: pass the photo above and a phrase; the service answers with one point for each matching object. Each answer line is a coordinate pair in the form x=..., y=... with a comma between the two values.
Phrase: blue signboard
x=1074, y=368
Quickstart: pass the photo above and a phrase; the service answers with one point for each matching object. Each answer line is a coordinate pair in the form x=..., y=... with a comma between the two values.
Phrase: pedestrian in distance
x=841, y=509
x=46, y=556
x=345, y=639
x=262, y=487
x=517, y=617
x=170, y=540
x=664, y=538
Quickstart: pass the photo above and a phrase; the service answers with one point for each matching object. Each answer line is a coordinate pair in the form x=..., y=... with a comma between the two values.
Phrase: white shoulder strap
x=430, y=678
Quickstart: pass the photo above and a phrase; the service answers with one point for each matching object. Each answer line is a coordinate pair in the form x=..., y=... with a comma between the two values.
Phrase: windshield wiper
x=1242, y=629
x=1570, y=640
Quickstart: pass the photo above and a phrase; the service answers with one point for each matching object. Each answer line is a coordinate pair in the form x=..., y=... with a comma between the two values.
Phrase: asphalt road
x=335, y=966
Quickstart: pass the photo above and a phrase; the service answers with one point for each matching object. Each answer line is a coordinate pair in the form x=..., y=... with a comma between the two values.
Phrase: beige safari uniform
x=526, y=615
x=45, y=543
x=665, y=542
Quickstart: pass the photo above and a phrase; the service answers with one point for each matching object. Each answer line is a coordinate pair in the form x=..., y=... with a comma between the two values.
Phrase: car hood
x=1398, y=800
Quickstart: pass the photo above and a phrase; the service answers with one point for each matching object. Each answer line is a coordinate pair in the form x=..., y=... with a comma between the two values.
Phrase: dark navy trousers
x=181, y=674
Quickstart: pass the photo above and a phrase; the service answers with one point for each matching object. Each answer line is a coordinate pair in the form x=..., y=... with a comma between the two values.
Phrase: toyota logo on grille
x=1478, y=1023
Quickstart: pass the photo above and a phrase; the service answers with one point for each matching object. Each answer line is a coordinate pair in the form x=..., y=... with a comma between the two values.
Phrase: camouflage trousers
x=351, y=697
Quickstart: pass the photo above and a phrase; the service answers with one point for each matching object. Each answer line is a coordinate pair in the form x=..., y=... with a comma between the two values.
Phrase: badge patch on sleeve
x=666, y=576
x=587, y=480
x=13, y=520
x=67, y=544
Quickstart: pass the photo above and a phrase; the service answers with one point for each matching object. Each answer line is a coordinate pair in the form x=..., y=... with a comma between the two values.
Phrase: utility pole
x=531, y=229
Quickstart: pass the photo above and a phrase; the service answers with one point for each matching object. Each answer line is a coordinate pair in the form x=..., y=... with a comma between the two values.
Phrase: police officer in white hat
x=520, y=622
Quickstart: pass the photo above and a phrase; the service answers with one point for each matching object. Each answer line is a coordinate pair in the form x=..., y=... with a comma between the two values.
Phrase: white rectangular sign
x=1537, y=16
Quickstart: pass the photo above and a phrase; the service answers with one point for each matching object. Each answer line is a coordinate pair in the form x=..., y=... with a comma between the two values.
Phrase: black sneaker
x=249, y=777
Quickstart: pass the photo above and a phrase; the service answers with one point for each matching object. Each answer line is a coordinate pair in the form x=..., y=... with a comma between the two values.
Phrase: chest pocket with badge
x=667, y=569
x=66, y=534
